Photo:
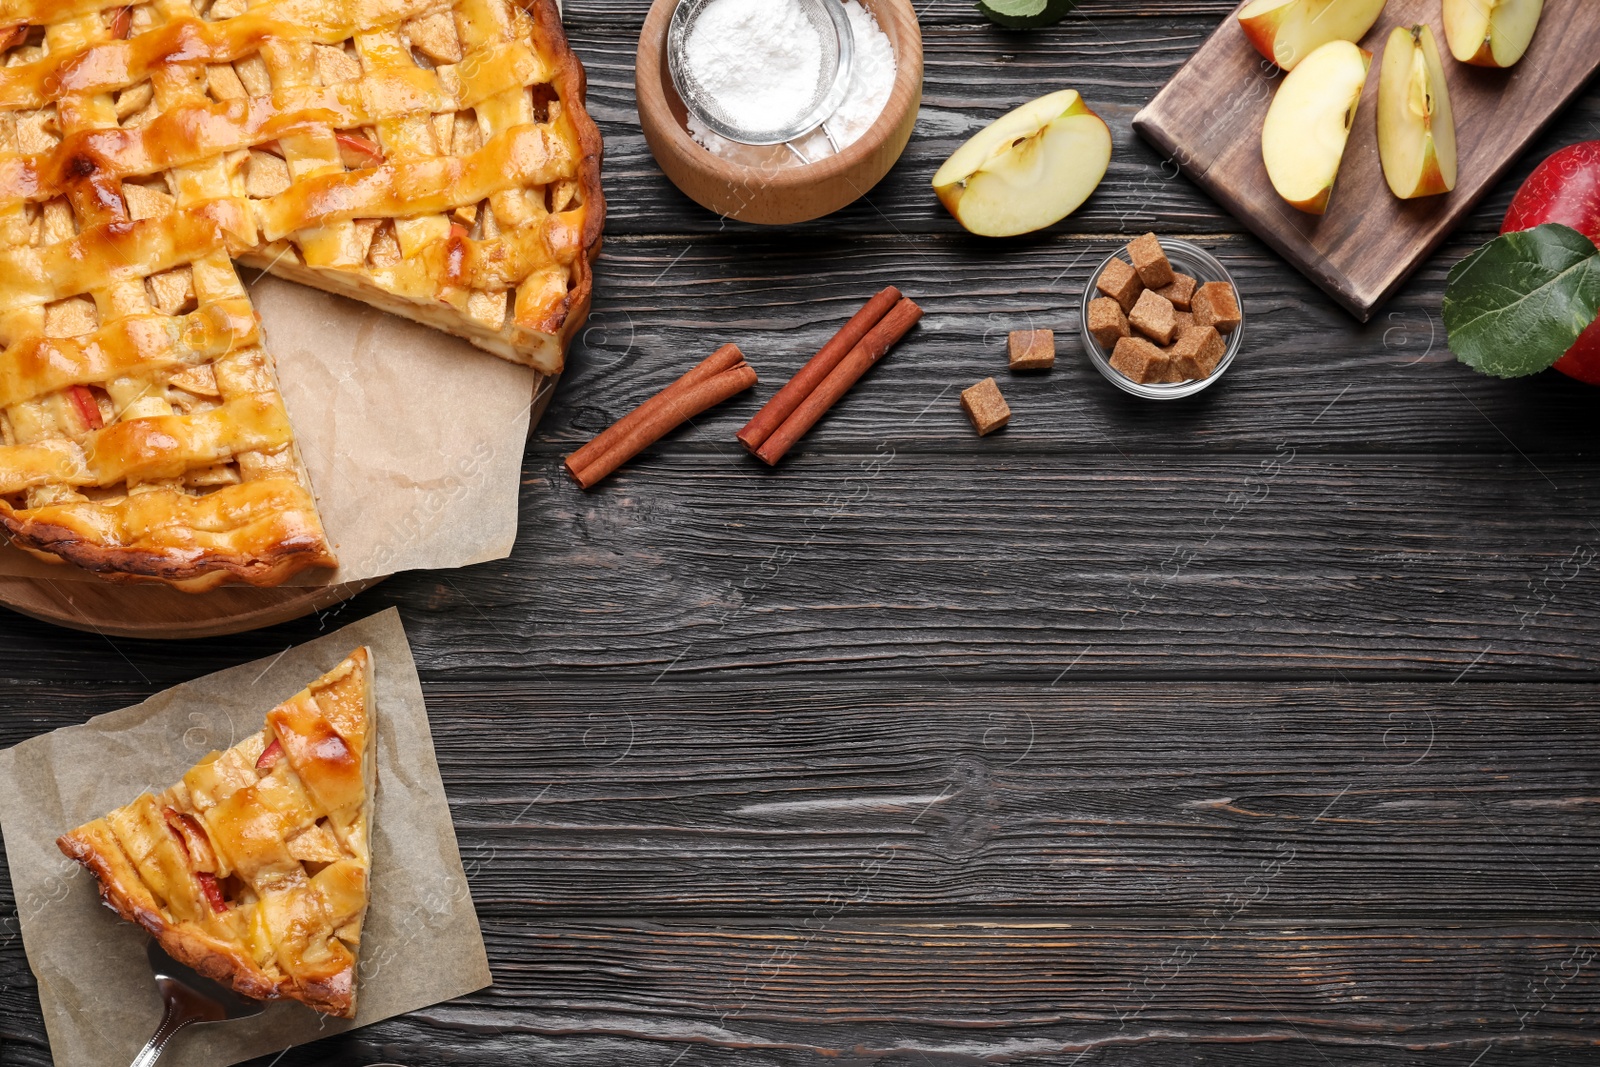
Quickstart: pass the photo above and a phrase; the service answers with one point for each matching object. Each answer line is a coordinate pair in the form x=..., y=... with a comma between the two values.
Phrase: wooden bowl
x=774, y=196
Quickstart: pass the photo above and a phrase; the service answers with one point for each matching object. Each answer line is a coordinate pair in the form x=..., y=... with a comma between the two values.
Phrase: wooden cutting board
x=1208, y=121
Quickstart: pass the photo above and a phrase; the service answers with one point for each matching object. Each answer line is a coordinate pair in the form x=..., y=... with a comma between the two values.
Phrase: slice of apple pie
x=429, y=157
x=254, y=868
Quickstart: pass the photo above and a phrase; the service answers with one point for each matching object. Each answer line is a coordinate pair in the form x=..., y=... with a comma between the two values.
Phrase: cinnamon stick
x=806, y=380
x=882, y=337
x=725, y=358
x=720, y=376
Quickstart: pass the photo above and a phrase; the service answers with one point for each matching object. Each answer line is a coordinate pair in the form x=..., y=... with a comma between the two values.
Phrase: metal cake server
x=190, y=999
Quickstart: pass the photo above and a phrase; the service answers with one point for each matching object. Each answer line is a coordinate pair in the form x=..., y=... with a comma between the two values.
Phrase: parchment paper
x=420, y=943
x=413, y=438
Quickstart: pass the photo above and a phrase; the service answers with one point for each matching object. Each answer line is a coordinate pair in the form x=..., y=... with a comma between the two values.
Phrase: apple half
x=1029, y=169
x=1288, y=31
x=1416, y=129
x=1491, y=33
x=1308, y=124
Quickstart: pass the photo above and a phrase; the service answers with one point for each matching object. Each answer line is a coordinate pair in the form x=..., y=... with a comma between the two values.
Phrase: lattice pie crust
x=430, y=157
x=253, y=869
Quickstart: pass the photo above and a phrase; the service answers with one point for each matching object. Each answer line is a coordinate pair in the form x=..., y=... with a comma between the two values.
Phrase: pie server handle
x=175, y=1019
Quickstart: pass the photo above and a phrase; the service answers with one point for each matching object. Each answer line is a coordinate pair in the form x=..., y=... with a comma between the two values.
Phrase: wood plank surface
x=834, y=988
x=691, y=564
x=1133, y=798
x=931, y=750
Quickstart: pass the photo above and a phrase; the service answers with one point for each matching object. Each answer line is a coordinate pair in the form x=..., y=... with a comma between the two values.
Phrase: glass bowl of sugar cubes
x=1162, y=319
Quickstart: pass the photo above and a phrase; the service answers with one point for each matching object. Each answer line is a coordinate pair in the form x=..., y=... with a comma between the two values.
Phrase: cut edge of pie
x=260, y=532
x=253, y=869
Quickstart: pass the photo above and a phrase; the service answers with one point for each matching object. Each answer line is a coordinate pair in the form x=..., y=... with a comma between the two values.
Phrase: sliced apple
x=1416, y=129
x=1030, y=169
x=1287, y=31
x=1491, y=33
x=1308, y=124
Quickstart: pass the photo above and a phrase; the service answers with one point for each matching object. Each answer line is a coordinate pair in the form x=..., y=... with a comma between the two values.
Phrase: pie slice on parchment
x=254, y=868
x=430, y=157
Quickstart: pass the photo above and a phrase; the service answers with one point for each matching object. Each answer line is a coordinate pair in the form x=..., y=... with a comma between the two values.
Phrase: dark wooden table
x=1256, y=729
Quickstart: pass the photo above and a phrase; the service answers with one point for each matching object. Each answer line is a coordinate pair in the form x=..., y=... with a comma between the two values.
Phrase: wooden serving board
x=157, y=612
x=1208, y=121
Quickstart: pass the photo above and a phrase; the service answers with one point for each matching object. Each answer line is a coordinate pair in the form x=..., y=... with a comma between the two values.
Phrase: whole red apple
x=1566, y=189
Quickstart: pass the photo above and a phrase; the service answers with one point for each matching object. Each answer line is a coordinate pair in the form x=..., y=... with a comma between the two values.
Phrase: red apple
x=1566, y=189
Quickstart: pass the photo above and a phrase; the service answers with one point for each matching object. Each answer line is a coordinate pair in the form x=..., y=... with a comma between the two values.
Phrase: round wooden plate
x=156, y=611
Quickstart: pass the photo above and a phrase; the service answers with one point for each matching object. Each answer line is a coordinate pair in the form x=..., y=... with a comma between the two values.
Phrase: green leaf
x=1515, y=306
x=1025, y=14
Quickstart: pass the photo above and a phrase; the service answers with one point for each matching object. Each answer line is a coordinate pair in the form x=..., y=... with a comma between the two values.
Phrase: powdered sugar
x=871, y=78
x=760, y=60
x=756, y=58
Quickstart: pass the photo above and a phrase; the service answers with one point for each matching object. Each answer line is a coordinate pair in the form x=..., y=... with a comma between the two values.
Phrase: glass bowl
x=1203, y=267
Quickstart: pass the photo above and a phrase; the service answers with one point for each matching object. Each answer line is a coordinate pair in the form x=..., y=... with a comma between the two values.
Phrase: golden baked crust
x=458, y=184
x=431, y=157
x=253, y=869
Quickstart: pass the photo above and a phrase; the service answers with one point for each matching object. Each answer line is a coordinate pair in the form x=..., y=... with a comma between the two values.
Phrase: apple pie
x=432, y=158
x=253, y=869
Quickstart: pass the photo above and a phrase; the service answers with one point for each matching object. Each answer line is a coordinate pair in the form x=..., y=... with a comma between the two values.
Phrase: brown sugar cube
x=986, y=408
x=1168, y=371
x=1107, y=323
x=1140, y=361
x=1216, y=304
x=1180, y=292
x=1121, y=283
x=1151, y=261
x=1154, y=317
x=1174, y=374
x=1033, y=349
x=1185, y=320
x=1198, y=352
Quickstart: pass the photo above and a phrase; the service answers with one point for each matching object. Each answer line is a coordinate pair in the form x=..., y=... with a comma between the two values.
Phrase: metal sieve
x=827, y=17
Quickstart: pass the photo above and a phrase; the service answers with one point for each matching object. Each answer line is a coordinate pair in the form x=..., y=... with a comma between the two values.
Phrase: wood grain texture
x=1209, y=120
x=1151, y=566
x=839, y=989
x=1408, y=577
x=1073, y=797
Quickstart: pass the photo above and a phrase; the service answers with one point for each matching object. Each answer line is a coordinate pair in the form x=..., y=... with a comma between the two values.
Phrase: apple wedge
x=1287, y=31
x=1308, y=124
x=1491, y=33
x=1030, y=169
x=1416, y=129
